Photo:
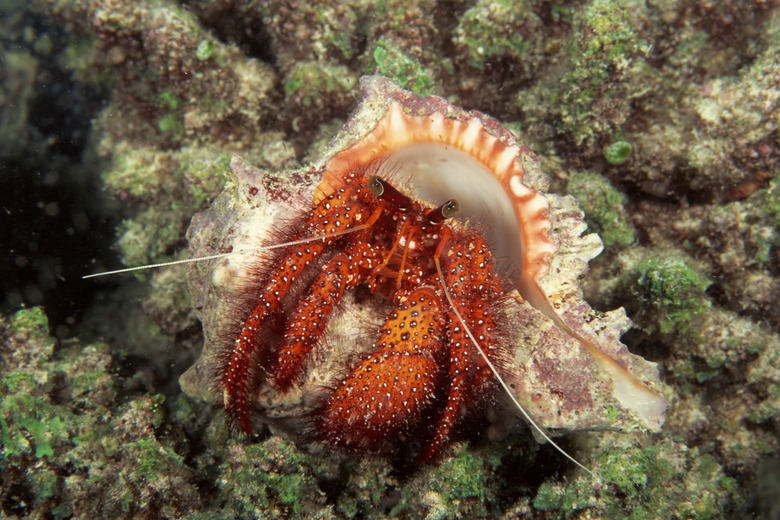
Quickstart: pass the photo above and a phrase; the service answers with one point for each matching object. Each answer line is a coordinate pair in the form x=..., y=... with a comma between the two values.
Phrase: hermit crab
x=413, y=277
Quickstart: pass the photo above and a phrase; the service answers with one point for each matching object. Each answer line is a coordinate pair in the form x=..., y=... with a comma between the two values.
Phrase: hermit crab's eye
x=376, y=185
x=447, y=210
x=382, y=189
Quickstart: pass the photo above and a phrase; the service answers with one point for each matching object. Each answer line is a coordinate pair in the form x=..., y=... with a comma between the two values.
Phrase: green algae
x=30, y=425
x=492, y=29
x=171, y=123
x=310, y=81
x=604, y=208
x=675, y=289
x=563, y=499
x=205, y=50
x=334, y=27
x=604, y=50
x=153, y=459
x=771, y=206
x=369, y=481
x=618, y=152
x=32, y=322
x=64, y=441
x=769, y=203
x=150, y=235
x=462, y=477
x=33, y=426
x=271, y=479
x=632, y=470
x=658, y=481
x=390, y=61
x=600, y=70
x=146, y=239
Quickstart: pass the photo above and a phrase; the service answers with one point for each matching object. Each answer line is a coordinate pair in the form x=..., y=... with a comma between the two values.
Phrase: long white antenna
x=217, y=256
x=500, y=379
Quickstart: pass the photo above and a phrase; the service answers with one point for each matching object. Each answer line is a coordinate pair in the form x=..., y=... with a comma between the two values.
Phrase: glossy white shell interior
x=436, y=172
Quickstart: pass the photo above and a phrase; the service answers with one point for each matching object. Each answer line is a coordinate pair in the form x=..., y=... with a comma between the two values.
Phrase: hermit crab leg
x=469, y=274
x=307, y=323
x=504, y=385
x=389, y=392
x=324, y=219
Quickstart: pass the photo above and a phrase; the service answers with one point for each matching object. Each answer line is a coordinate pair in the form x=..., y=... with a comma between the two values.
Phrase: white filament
x=500, y=379
x=226, y=255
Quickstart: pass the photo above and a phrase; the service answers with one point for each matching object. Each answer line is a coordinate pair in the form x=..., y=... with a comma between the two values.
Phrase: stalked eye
x=376, y=186
x=382, y=189
x=447, y=210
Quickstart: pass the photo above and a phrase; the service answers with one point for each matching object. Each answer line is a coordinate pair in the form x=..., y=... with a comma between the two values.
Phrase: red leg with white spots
x=307, y=323
x=338, y=212
x=456, y=398
x=390, y=390
x=468, y=275
x=470, y=381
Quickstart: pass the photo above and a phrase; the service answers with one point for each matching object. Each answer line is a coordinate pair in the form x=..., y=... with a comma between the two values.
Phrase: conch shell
x=568, y=367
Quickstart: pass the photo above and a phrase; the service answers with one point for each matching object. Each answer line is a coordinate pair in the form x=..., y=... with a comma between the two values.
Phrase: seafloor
x=117, y=123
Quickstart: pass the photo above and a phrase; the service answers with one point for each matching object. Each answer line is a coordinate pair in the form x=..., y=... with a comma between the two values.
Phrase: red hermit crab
x=422, y=355
x=429, y=223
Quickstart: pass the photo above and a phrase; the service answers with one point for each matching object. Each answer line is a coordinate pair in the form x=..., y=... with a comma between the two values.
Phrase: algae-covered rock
x=670, y=106
x=66, y=447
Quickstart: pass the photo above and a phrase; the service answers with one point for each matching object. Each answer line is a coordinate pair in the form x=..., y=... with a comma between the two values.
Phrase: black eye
x=376, y=185
x=450, y=208
x=384, y=190
x=447, y=210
